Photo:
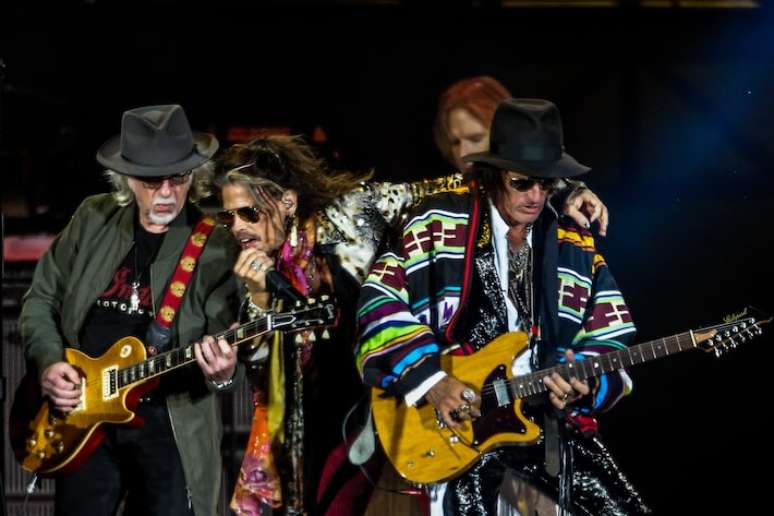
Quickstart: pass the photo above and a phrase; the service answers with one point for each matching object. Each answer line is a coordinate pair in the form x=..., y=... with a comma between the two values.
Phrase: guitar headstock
x=306, y=315
x=735, y=329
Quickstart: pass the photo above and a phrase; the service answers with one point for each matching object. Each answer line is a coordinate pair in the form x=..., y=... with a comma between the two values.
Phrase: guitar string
x=227, y=334
x=535, y=378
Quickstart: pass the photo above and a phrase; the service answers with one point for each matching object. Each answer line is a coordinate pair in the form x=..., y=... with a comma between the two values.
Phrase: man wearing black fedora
x=473, y=265
x=143, y=262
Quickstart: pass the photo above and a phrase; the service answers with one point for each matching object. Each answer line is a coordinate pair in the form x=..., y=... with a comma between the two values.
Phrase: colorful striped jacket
x=416, y=302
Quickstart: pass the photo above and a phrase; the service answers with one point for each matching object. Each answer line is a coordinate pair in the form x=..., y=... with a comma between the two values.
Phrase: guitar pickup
x=501, y=393
x=110, y=383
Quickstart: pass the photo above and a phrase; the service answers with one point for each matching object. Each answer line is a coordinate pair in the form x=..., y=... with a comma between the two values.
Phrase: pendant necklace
x=134, y=298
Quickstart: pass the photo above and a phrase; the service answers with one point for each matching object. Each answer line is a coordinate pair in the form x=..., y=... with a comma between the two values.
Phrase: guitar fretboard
x=182, y=356
x=532, y=383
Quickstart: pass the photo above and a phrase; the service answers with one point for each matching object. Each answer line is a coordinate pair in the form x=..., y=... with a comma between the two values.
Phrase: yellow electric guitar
x=423, y=450
x=47, y=442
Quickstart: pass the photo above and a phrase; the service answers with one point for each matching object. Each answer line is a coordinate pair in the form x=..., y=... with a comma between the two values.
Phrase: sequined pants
x=598, y=485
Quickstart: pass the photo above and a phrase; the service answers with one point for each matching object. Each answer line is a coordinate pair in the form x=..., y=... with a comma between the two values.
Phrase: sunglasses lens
x=225, y=218
x=523, y=185
x=249, y=214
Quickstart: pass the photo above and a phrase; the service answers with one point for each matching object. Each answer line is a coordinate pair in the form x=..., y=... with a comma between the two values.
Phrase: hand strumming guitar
x=61, y=384
x=447, y=398
x=562, y=393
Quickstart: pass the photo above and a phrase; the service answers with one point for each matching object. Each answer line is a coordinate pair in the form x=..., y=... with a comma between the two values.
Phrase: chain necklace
x=520, y=281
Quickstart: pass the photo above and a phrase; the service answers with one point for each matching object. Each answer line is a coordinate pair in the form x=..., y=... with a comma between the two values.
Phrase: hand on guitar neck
x=447, y=398
x=61, y=383
x=216, y=359
x=561, y=392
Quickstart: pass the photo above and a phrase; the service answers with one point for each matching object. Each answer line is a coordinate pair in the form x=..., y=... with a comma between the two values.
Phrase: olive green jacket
x=80, y=265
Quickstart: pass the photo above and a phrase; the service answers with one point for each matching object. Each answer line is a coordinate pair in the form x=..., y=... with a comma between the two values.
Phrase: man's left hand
x=584, y=207
x=561, y=392
x=216, y=358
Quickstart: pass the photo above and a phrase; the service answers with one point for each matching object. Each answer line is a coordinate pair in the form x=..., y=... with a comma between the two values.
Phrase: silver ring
x=564, y=397
x=256, y=265
x=468, y=394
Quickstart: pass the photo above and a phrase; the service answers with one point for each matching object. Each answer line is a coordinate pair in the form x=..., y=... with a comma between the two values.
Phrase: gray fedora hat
x=526, y=136
x=156, y=141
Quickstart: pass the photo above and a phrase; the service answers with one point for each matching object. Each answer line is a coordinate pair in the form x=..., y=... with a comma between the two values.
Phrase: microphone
x=279, y=285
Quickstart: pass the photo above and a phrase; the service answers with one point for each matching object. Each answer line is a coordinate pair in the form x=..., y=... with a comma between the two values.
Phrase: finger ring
x=468, y=394
x=256, y=265
x=564, y=397
x=464, y=408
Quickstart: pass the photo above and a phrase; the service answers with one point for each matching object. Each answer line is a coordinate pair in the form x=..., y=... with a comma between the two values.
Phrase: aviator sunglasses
x=522, y=184
x=249, y=214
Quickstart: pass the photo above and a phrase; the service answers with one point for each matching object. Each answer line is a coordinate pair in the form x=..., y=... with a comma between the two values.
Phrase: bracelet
x=221, y=385
x=254, y=311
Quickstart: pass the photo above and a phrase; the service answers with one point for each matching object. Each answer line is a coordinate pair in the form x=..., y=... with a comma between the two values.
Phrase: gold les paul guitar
x=47, y=442
x=423, y=450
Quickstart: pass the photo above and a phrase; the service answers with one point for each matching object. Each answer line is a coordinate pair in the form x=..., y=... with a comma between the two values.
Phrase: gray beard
x=162, y=220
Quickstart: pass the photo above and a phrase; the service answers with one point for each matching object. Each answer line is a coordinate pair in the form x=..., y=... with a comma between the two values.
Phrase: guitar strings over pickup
x=110, y=383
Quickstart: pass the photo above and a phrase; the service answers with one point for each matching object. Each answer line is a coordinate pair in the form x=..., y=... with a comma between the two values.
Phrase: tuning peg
x=718, y=352
x=311, y=301
x=312, y=337
x=743, y=325
x=324, y=297
x=325, y=334
x=299, y=339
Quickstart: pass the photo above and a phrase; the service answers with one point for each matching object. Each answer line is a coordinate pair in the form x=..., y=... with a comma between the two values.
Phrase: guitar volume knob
x=32, y=442
x=41, y=455
x=49, y=433
x=59, y=447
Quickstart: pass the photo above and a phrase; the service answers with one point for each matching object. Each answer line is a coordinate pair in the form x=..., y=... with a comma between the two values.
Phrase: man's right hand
x=251, y=267
x=446, y=397
x=61, y=384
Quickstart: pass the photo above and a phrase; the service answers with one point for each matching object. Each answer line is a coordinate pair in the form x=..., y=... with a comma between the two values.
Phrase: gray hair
x=200, y=185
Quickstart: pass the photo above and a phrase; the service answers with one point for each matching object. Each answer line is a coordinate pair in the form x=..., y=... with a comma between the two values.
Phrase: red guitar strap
x=186, y=266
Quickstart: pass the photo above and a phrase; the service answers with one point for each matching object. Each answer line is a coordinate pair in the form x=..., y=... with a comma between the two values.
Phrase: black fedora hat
x=526, y=136
x=156, y=141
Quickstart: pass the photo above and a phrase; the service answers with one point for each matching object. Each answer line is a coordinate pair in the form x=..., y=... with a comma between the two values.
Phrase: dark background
x=673, y=109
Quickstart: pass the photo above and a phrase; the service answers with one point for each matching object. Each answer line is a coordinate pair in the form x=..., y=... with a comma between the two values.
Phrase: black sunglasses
x=249, y=214
x=526, y=183
x=154, y=183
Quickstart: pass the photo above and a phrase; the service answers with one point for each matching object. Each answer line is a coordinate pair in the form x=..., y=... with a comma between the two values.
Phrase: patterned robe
x=439, y=293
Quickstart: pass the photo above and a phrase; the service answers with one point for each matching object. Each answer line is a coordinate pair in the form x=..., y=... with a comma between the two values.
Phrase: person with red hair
x=465, y=112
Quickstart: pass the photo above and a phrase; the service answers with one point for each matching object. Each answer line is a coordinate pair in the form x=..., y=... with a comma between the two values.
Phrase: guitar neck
x=532, y=383
x=179, y=357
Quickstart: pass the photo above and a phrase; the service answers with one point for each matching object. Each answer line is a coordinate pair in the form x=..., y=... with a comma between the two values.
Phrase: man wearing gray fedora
x=143, y=262
x=471, y=267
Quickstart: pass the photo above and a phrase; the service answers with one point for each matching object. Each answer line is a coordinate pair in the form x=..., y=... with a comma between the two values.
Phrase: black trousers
x=142, y=464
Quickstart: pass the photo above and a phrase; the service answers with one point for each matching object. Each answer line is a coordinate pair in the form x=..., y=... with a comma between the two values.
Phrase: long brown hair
x=290, y=163
x=479, y=96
